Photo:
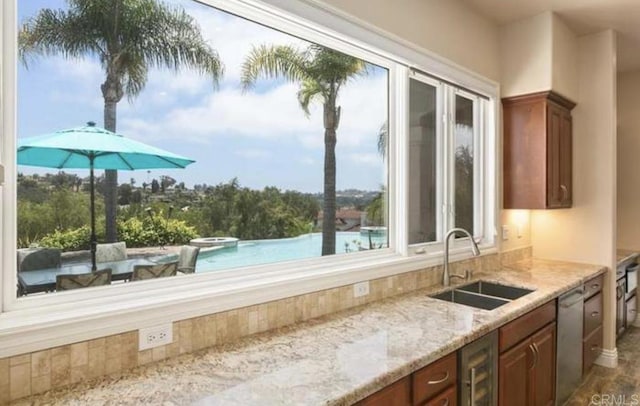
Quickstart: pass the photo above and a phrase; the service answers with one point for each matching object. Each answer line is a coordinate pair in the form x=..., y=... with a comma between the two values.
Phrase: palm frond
x=277, y=61
x=332, y=66
x=309, y=91
x=383, y=139
x=167, y=37
x=57, y=32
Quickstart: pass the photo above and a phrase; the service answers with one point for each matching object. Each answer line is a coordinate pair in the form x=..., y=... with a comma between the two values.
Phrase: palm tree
x=321, y=72
x=128, y=37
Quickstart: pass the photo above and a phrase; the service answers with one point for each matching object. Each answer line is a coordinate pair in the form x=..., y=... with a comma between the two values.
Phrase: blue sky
x=262, y=137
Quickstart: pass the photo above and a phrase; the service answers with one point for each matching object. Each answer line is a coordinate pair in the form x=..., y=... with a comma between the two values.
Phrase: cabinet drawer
x=397, y=394
x=631, y=311
x=593, y=286
x=433, y=378
x=592, y=314
x=447, y=398
x=591, y=347
x=524, y=326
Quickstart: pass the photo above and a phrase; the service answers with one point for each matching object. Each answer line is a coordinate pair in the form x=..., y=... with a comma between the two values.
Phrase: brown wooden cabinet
x=592, y=325
x=397, y=394
x=435, y=378
x=434, y=384
x=537, y=151
x=631, y=311
x=527, y=365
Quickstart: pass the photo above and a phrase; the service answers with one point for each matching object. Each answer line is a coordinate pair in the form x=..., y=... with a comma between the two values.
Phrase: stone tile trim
x=38, y=372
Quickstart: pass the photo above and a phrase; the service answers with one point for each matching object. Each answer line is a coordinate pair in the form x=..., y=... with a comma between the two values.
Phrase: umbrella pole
x=93, y=215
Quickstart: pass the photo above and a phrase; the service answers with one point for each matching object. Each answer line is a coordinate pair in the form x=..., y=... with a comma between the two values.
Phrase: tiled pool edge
x=37, y=372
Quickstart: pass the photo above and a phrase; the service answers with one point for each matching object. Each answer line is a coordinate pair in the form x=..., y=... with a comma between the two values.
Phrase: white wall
x=448, y=28
x=587, y=232
x=525, y=55
x=564, y=74
x=629, y=160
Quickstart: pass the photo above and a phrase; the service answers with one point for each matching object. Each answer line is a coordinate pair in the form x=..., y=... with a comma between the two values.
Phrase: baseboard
x=608, y=358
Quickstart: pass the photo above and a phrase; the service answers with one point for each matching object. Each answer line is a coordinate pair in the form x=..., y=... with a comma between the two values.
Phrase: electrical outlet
x=505, y=232
x=155, y=336
x=361, y=289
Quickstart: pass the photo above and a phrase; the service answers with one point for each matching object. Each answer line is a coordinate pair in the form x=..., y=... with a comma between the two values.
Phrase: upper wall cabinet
x=537, y=151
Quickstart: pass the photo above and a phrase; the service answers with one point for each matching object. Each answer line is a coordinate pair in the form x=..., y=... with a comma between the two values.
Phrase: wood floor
x=619, y=386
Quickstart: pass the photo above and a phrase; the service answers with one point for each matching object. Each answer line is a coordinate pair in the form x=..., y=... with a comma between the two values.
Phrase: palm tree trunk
x=329, y=205
x=111, y=97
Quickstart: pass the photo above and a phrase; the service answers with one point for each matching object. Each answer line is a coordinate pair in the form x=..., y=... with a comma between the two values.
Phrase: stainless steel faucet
x=446, y=278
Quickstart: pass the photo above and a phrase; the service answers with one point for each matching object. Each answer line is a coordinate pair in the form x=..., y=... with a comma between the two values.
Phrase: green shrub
x=69, y=240
x=154, y=231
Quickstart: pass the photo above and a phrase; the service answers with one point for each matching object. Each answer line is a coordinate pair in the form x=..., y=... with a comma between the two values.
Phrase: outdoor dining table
x=44, y=280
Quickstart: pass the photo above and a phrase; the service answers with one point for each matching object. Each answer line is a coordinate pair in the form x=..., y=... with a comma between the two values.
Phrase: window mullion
x=398, y=164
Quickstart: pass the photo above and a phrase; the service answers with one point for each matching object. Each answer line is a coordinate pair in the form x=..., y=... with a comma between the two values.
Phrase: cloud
x=274, y=114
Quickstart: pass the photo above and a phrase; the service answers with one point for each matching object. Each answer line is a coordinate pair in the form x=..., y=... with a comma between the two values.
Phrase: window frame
x=79, y=315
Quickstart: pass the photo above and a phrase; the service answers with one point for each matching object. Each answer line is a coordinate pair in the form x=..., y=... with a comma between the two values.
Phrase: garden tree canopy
x=321, y=72
x=127, y=37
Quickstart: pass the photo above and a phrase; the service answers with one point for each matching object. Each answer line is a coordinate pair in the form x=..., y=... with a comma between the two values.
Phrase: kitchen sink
x=470, y=299
x=494, y=289
x=482, y=295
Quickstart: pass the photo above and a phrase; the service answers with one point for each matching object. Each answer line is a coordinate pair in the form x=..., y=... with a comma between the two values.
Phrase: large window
x=445, y=172
x=318, y=149
x=286, y=135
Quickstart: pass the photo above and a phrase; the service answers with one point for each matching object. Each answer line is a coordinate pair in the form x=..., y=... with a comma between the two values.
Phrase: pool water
x=257, y=252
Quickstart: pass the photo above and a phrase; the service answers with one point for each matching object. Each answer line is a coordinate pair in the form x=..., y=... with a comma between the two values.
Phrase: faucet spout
x=446, y=278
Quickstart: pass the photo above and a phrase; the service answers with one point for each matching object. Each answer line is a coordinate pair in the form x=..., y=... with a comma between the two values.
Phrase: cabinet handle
x=565, y=193
x=594, y=347
x=473, y=387
x=595, y=286
x=445, y=402
x=595, y=314
x=437, y=381
x=535, y=356
x=632, y=310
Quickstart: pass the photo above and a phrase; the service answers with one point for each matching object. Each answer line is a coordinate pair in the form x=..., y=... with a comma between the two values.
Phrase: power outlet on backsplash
x=155, y=336
x=361, y=289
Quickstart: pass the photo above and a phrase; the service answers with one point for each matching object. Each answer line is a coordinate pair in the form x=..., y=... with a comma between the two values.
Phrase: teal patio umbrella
x=92, y=147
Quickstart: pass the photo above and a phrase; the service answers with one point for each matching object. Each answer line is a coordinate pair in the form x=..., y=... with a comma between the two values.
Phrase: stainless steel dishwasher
x=569, y=362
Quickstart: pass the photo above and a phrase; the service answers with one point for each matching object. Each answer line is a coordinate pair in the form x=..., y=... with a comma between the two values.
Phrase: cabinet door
x=397, y=394
x=446, y=398
x=513, y=387
x=543, y=374
x=631, y=311
x=566, y=159
x=554, y=157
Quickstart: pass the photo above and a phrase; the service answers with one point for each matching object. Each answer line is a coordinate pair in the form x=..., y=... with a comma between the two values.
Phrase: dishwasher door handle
x=573, y=298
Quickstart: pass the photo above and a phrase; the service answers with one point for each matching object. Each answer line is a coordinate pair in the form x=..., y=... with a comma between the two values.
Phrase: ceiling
x=582, y=16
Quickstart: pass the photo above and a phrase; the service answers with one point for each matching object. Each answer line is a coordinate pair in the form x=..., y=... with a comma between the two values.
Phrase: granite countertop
x=333, y=360
x=626, y=257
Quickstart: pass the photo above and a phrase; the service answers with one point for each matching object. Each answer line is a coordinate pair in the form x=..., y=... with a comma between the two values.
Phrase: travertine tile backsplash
x=40, y=371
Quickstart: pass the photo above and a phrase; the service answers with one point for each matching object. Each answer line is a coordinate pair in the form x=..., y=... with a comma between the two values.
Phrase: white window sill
x=32, y=329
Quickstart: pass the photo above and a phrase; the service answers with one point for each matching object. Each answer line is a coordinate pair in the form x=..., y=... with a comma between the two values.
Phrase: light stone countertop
x=333, y=360
x=625, y=256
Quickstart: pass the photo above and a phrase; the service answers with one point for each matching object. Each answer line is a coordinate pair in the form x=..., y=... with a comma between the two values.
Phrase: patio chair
x=187, y=259
x=33, y=259
x=83, y=280
x=112, y=252
x=144, y=272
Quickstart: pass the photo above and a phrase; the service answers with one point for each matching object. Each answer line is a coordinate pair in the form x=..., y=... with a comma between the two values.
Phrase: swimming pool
x=256, y=252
